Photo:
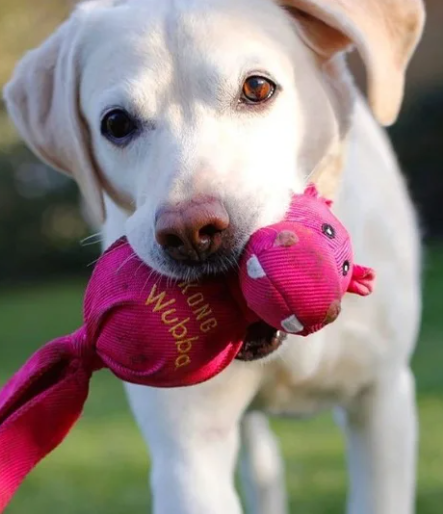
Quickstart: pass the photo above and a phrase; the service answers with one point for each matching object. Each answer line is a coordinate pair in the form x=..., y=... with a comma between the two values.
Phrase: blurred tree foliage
x=418, y=141
x=41, y=223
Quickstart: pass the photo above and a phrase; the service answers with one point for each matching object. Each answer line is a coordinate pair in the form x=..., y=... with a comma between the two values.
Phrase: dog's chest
x=322, y=371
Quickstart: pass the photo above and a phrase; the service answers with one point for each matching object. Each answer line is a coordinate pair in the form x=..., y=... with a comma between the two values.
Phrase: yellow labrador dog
x=187, y=122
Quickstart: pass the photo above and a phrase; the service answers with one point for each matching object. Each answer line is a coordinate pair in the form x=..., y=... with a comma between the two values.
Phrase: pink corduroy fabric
x=149, y=330
x=294, y=273
x=138, y=325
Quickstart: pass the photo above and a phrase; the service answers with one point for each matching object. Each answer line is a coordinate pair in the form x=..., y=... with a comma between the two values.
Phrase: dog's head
x=201, y=117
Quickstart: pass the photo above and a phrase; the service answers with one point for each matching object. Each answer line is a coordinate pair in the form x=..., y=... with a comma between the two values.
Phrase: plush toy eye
x=346, y=267
x=328, y=231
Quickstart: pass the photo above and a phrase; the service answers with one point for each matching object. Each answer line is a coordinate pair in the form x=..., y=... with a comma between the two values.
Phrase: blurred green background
x=103, y=466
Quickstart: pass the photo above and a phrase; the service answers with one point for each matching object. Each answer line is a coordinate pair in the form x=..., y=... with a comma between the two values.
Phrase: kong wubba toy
x=148, y=330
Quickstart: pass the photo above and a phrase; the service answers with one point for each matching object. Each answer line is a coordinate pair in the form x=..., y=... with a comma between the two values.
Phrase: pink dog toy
x=151, y=332
x=294, y=274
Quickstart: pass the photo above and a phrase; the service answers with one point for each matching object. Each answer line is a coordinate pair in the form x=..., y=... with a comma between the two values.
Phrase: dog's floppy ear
x=385, y=33
x=42, y=99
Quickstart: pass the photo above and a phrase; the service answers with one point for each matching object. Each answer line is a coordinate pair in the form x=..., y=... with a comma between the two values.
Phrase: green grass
x=102, y=467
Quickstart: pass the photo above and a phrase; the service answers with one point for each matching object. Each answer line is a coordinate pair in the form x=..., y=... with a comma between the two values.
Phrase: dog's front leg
x=193, y=436
x=381, y=433
x=262, y=467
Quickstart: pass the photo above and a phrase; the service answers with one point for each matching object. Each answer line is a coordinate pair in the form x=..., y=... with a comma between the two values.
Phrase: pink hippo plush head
x=294, y=274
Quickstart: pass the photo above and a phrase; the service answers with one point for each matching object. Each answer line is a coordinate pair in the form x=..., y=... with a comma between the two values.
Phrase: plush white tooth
x=292, y=325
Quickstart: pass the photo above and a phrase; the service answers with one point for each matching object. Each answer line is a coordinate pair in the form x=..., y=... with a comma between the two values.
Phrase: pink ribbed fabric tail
x=143, y=327
x=38, y=407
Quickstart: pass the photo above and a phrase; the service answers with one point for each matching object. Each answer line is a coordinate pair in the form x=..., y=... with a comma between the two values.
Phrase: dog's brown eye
x=117, y=125
x=257, y=89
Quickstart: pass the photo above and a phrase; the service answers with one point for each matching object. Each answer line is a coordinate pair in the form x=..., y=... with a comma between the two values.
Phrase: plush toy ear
x=362, y=281
x=311, y=190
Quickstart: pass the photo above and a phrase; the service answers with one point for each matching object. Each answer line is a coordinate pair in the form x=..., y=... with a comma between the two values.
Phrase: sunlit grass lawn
x=103, y=468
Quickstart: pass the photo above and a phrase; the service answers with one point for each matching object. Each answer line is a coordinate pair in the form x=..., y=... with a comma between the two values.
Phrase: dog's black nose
x=192, y=231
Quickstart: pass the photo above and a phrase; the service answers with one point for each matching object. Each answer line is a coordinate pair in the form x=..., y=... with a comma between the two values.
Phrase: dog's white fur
x=178, y=66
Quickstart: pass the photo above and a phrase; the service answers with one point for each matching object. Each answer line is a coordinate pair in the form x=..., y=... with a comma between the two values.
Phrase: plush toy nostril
x=286, y=238
x=333, y=312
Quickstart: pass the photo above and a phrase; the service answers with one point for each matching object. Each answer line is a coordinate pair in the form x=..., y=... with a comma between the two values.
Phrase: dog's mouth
x=261, y=341
x=219, y=263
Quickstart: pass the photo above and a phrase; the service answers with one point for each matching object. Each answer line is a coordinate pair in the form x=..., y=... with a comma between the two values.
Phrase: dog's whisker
x=312, y=173
x=92, y=243
x=93, y=263
x=128, y=259
x=139, y=267
x=92, y=239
